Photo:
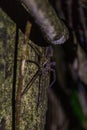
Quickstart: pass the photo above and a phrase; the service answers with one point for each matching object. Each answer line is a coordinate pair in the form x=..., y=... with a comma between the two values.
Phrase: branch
x=52, y=28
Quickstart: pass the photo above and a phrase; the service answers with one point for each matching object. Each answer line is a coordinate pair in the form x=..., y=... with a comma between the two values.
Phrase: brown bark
x=21, y=75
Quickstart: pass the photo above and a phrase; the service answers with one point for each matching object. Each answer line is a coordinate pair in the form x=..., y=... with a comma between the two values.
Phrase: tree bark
x=21, y=75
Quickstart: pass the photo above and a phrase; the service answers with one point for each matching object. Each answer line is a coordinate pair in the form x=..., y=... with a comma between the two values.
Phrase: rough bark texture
x=21, y=75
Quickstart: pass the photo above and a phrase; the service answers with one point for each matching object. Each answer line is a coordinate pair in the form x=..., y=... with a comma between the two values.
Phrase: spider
x=45, y=66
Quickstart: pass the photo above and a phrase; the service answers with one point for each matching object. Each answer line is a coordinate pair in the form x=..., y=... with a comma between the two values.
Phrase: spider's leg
x=30, y=61
x=49, y=52
x=54, y=78
x=36, y=50
x=30, y=83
